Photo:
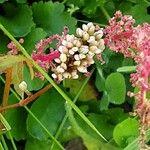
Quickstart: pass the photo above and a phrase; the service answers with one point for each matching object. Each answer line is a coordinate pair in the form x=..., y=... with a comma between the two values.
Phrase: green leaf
x=17, y=19
x=4, y=40
x=88, y=93
x=104, y=102
x=127, y=69
x=100, y=80
x=92, y=6
x=16, y=118
x=32, y=38
x=33, y=85
x=33, y=144
x=142, y=16
x=116, y=88
x=78, y=3
x=49, y=109
x=52, y=18
x=124, y=130
x=90, y=142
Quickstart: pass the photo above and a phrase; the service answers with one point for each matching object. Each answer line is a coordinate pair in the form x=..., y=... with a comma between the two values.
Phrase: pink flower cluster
x=13, y=48
x=45, y=60
x=122, y=36
x=119, y=34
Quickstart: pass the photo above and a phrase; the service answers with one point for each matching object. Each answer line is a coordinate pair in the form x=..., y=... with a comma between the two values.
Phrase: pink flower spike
x=46, y=57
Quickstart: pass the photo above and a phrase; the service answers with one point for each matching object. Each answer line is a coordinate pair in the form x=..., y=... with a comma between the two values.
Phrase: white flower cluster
x=77, y=52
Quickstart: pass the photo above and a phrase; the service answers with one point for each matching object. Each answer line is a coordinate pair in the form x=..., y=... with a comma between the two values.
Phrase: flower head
x=118, y=34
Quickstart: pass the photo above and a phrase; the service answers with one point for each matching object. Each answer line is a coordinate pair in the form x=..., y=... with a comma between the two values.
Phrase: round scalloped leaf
x=36, y=35
x=49, y=109
x=17, y=19
x=125, y=130
x=116, y=88
x=52, y=18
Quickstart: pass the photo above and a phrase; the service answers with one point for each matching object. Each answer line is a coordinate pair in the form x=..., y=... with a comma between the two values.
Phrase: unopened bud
x=23, y=86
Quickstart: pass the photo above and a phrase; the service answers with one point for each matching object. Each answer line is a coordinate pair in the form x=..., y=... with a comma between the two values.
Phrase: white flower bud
x=76, y=57
x=23, y=86
x=98, y=51
x=85, y=36
x=75, y=76
x=64, y=66
x=91, y=30
x=82, y=69
x=91, y=53
x=70, y=38
x=84, y=63
x=64, y=42
x=75, y=49
x=63, y=57
x=71, y=52
x=77, y=43
x=57, y=60
x=60, y=77
x=84, y=49
x=94, y=43
x=93, y=48
x=60, y=69
x=79, y=32
x=98, y=34
x=61, y=48
x=77, y=62
x=90, y=24
x=69, y=45
x=85, y=27
x=54, y=75
x=66, y=75
x=82, y=56
x=91, y=39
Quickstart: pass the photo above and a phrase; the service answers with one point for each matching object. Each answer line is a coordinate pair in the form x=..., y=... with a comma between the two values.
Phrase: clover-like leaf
x=116, y=88
x=124, y=130
x=17, y=19
x=52, y=18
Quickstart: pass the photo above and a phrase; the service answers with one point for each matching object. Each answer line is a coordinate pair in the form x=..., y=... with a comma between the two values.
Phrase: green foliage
x=18, y=19
x=126, y=132
x=16, y=119
x=43, y=15
x=116, y=88
x=36, y=35
x=89, y=92
x=103, y=100
x=49, y=109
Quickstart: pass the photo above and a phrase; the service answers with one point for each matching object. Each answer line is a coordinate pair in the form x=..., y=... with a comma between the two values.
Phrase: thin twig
x=28, y=99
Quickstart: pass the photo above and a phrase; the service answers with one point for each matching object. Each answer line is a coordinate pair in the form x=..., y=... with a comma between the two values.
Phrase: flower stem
x=4, y=143
x=12, y=140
